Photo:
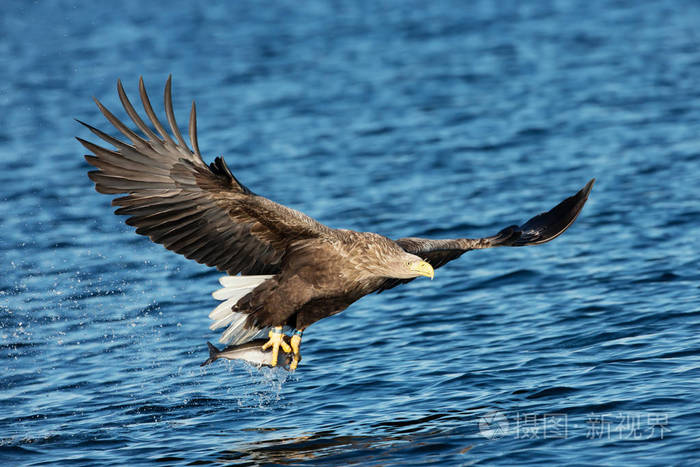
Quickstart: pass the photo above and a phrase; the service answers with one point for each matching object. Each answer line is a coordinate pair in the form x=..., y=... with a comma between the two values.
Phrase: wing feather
x=170, y=115
x=170, y=194
x=193, y=131
x=146, y=102
x=539, y=229
x=126, y=103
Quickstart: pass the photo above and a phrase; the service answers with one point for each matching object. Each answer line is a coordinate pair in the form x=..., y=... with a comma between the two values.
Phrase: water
x=435, y=119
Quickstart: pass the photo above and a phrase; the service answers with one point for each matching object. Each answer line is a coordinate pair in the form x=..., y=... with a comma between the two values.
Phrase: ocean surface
x=436, y=119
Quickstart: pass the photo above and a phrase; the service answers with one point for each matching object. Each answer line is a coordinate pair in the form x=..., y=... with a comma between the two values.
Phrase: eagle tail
x=546, y=226
x=234, y=288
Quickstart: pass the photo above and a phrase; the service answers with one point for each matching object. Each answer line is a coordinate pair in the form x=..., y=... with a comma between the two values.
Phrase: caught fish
x=250, y=352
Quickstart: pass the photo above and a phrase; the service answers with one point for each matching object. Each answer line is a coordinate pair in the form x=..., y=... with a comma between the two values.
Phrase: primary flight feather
x=293, y=269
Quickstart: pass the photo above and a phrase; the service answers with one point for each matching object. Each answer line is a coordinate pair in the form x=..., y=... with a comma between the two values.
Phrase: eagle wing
x=540, y=229
x=200, y=211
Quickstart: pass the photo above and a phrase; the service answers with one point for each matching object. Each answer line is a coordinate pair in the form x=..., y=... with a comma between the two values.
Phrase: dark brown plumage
x=204, y=213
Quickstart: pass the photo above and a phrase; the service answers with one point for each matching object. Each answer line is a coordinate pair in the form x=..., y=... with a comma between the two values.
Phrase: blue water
x=439, y=119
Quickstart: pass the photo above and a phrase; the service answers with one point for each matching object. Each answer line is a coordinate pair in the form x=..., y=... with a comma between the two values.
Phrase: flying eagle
x=284, y=269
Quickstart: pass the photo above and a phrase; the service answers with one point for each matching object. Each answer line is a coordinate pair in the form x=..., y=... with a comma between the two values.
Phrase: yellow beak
x=423, y=268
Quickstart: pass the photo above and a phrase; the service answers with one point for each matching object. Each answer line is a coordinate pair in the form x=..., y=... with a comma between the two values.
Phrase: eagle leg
x=276, y=341
x=296, y=343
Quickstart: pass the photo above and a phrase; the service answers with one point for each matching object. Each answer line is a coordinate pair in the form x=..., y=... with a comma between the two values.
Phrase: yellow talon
x=276, y=341
x=296, y=343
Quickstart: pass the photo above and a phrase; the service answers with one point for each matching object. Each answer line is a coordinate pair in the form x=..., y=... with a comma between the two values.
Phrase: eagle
x=285, y=270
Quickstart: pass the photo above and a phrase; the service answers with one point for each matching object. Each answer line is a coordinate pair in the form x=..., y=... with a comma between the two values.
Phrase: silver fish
x=250, y=352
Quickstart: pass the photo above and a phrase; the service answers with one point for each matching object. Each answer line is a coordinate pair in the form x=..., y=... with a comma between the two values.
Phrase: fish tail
x=213, y=354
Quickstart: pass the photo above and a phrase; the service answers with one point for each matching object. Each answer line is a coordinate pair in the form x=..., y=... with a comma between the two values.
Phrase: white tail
x=235, y=288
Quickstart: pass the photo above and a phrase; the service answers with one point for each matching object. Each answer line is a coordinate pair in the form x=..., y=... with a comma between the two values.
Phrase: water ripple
x=433, y=119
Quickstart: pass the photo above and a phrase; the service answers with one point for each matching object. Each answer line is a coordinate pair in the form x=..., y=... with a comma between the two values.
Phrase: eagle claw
x=295, y=343
x=276, y=341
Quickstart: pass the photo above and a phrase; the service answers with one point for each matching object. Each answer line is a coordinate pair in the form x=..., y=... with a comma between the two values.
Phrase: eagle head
x=409, y=266
x=420, y=268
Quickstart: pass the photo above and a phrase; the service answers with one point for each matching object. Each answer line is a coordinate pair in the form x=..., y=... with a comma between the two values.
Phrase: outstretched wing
x=540, y=229
x=202, y=212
